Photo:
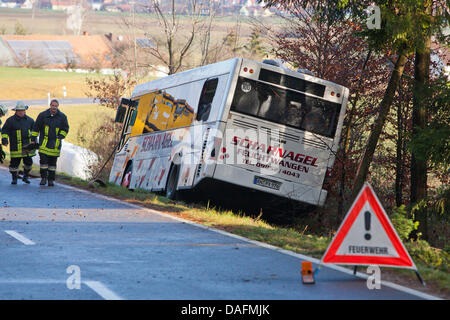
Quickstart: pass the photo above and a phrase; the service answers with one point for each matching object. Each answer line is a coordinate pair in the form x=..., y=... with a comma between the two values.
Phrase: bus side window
x=315, y=120
x=206, y=99
x=129, y=121
x=133, y=117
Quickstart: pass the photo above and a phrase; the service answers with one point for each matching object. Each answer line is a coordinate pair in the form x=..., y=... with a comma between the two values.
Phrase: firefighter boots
x=43, y=173
x=51, y=177
x=26, y=175
x=14, y=177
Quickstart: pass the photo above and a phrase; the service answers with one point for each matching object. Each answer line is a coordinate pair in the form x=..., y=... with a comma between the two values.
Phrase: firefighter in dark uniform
x=17, y=129
x=52, y=127
x=3, y=112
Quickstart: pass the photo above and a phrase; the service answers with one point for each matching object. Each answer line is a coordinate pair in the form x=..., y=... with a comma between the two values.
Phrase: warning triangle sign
x=367, y=237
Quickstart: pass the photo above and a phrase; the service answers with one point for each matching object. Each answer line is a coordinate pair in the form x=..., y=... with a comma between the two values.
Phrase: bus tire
x=172, y=182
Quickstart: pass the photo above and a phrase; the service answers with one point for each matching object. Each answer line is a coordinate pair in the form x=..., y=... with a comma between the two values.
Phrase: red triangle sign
x=367, y=237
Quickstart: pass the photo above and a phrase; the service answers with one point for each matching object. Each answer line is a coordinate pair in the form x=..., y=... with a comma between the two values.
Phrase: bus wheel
x=172, y=181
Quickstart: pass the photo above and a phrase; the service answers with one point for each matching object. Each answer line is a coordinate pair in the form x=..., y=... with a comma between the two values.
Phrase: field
x=101, y=22
x=24, y=84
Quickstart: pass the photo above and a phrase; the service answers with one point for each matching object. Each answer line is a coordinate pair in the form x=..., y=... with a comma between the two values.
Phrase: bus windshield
x=286, y=107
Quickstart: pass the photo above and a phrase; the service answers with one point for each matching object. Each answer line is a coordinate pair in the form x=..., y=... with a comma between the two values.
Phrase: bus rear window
x=292, y=82
x=286, y=107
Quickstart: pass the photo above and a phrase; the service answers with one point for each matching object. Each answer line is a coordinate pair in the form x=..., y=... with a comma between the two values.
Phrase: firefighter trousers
x=47, y=166
x=15, y=163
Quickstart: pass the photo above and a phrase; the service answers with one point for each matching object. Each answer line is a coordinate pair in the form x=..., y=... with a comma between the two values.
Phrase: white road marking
x=101, y=290
x=19, y=237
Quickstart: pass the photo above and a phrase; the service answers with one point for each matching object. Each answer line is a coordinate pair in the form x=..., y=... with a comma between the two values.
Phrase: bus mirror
x=120, y=114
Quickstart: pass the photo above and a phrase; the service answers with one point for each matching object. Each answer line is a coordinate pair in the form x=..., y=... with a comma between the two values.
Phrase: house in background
x=11, y=3
x=91, y=52
x=96, y=5
x=65, y=5
x=254, y=9
x=27, y=4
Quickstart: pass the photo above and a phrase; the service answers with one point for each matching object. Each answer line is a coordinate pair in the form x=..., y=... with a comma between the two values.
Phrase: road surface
x=64, y=243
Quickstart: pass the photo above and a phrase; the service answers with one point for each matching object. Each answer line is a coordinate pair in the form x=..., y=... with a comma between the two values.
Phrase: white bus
x=240, y=123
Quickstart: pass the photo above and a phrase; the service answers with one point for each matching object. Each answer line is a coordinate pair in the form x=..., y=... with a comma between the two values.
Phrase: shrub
x=402, y=224
x=101, y=139
x=19, y=29
x=107, y=92
x=433, y=257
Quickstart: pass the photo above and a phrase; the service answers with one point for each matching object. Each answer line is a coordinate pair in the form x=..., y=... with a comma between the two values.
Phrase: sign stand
x=420, y=278
x=367, y=237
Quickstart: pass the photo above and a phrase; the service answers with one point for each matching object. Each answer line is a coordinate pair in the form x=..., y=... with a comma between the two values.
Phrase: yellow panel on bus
x=158, y=111
x=183, y=114
x=161, y=113
x=144, y=107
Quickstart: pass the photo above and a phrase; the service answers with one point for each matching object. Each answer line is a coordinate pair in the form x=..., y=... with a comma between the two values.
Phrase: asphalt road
x=52, y=237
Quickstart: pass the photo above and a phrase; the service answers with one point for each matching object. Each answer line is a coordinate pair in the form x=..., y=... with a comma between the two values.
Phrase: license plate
x=268, y=183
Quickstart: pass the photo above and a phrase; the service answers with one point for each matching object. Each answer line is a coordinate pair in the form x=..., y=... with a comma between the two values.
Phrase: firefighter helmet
x=20, y=106
x=3, y=110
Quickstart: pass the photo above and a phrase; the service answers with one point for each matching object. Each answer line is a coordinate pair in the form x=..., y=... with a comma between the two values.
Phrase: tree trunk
x=379, y=123
x=399, y=158
x=419, y=121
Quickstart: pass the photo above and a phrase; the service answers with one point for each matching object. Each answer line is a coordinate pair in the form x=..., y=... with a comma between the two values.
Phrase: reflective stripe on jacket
x=51, y=129
x=18, y=131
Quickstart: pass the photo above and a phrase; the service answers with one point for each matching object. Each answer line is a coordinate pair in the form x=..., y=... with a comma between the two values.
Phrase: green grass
x=23, y=84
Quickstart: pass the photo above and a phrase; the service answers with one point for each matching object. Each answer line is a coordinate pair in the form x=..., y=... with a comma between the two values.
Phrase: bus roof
x=177, y=79
x=215, y=69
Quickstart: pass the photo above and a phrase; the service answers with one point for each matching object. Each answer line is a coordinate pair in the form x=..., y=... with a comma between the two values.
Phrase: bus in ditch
x=254, y=125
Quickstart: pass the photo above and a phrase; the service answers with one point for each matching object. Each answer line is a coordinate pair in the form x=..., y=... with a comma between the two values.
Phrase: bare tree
x=175, y=44
x=228, y=47
x=210, y=51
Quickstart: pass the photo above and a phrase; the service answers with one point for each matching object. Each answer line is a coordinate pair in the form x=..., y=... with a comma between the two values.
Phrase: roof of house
x=87, y=51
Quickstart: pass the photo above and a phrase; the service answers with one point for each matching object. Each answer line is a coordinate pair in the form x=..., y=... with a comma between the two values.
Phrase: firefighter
x=17, y=129
x=52, y=127
x=3, y=112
